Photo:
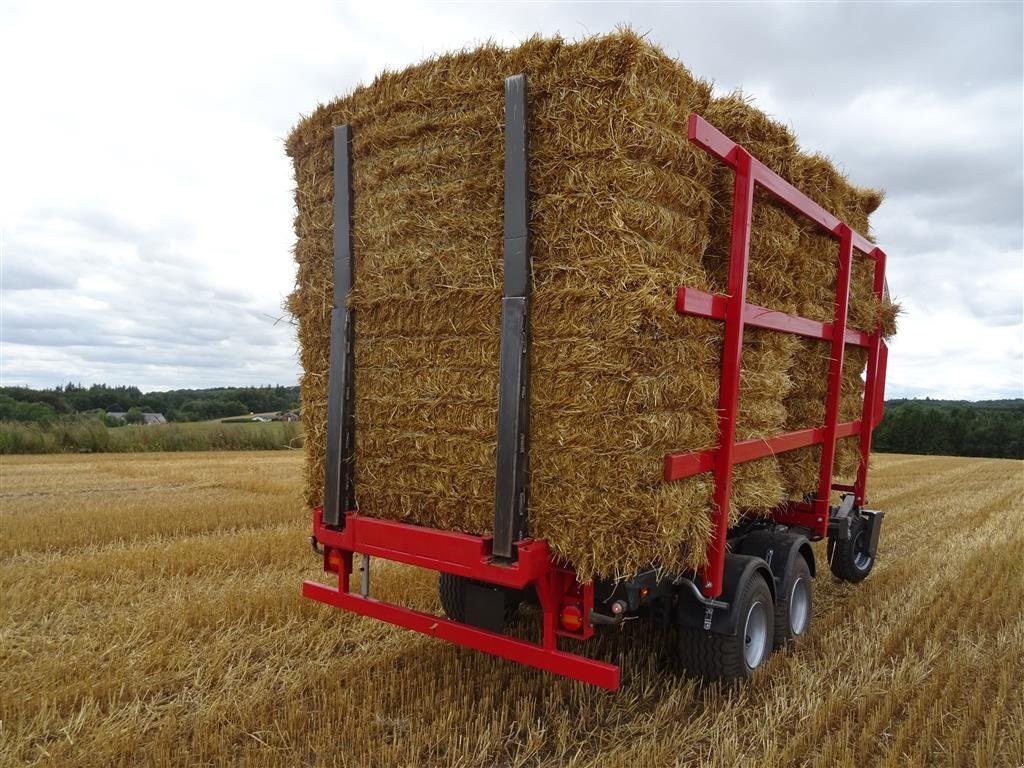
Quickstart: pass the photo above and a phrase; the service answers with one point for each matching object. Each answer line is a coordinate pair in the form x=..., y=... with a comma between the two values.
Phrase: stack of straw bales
x=624, y=209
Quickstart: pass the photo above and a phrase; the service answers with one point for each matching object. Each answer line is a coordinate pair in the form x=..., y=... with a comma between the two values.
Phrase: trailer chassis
x=713, y=600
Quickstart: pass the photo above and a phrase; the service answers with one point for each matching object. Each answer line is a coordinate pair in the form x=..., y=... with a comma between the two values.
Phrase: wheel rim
x=799, y=606
x=861, y=559
x=755, y=635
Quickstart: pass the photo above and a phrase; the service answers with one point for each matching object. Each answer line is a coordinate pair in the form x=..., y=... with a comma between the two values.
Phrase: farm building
x=147, y=418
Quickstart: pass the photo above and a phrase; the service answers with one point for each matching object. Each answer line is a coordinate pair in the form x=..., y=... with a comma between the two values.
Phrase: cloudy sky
x=145, y=197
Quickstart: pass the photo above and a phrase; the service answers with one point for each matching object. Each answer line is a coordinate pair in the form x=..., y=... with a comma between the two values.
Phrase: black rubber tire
x=714, y=657
x=452, y=590
x=846, y=559
x=784, y=634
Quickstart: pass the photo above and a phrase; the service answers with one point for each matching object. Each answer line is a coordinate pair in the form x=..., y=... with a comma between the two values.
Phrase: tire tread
x=841, y=557
x=713, y=657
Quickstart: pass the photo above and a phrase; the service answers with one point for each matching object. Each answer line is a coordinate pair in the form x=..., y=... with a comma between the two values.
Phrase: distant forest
x=48, y=405
x=992, y=428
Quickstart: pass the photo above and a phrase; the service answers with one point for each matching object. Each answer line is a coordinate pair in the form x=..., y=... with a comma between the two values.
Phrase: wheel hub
x=755, y=635
x=861, y=559
x=799, y=606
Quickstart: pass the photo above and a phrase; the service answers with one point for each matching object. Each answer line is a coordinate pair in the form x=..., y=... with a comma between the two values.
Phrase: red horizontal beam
x=803, y=515
x=452, y=552
x=550, y=660
x=691, y=301
x=680, y=465
x=705, y=135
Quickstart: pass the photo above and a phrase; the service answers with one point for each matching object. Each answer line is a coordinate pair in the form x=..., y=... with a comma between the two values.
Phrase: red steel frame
x=534, y=566
x=734, y=310
x=468, y=556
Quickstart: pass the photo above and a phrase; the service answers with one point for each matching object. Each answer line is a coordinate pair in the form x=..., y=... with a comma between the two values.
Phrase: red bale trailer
x=754, y=593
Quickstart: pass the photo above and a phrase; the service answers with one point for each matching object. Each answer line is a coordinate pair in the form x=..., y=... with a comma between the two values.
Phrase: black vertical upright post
x=339, y=490
x=514, y=374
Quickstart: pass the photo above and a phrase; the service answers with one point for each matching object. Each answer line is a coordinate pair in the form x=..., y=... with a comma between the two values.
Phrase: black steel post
x=510, y=518
x=339, y=489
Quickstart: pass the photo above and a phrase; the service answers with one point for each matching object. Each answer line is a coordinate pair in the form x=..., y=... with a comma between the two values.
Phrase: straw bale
x=620, y=208
x=624, y=209
x=767, y=355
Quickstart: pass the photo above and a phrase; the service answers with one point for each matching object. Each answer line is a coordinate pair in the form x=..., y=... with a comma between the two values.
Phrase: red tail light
x=333, y=560
x=571, y=617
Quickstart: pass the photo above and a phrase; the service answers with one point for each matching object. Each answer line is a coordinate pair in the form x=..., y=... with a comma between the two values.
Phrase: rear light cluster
x=333, y=560
x=571, y=617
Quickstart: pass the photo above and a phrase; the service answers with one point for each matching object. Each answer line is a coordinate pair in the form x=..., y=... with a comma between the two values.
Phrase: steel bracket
x=510, y=489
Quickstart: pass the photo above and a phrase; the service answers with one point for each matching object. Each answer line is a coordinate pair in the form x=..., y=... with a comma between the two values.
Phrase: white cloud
x=145, y=198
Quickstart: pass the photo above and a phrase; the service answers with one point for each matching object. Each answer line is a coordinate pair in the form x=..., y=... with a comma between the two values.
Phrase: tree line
x=43, y=406
x=989, y=428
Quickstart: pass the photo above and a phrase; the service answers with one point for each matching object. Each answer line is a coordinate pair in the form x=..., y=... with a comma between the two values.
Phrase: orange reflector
x=571, y=617
x=644, y=592
x=333, y=560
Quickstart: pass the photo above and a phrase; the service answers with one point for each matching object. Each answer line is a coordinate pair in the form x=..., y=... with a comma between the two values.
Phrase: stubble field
x=151, y=616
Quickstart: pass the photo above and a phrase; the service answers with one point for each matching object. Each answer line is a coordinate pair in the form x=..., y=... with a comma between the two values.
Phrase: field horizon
x=152, y=615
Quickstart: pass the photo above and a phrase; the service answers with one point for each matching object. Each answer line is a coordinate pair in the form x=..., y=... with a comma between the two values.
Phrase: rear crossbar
x=561, y=663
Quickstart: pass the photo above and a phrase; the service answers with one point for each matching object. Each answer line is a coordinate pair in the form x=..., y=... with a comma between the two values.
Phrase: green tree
x=15, y=410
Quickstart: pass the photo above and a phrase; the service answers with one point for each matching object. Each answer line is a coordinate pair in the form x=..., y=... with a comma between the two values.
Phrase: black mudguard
x=778, y=549
x=739, y=569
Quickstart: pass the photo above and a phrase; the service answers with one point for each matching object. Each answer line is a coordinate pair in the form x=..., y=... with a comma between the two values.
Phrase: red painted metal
x=468, y=556
x=835, y=377
x=874, y=385
x=449, y=551
x=733, y=310
x=549, y=659
x=803, y=515
x=691, y=301
x=729, y=383
x=879, y=386
x=716, y=143
x=680, y=465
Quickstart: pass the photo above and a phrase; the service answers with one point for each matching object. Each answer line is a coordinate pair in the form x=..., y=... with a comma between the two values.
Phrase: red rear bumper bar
x=470, y=557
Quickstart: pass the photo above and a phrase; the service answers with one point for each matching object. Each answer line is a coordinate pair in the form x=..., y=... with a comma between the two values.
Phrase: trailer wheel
x=731, y=658
x=793, y=607
x=452, y=591
x=849, y=559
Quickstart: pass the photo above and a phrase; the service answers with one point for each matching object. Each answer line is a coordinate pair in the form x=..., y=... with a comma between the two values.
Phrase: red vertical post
x=547, y=595
x=835, y=377
x=345, y=571
x=871, y=384
x=729, y=383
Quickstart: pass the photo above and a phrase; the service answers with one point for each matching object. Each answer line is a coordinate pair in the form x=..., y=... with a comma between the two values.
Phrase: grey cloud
x=828, y=49
x=34, y=275
x=156, y=311
x=952, y=219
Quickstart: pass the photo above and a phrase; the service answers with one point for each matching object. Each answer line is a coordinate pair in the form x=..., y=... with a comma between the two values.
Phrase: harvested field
x=151, y=616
